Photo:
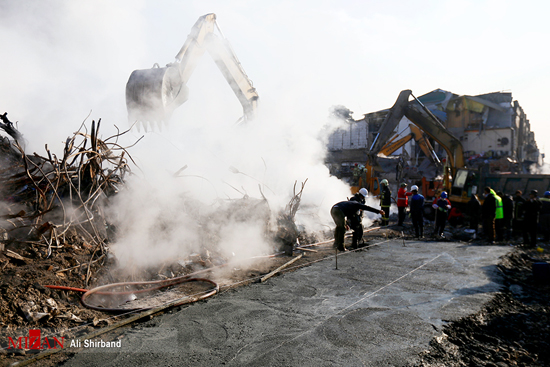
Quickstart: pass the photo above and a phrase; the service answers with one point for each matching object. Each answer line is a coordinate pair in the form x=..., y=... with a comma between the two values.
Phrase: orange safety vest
x=402, y=197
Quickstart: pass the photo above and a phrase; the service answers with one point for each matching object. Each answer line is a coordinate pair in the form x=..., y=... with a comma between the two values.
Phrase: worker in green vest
x=499, y=217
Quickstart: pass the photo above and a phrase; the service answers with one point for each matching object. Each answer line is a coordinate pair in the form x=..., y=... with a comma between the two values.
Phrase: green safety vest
x=499, y=213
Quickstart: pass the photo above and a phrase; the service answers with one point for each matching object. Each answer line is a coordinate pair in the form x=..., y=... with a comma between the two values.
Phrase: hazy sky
x=62, y=59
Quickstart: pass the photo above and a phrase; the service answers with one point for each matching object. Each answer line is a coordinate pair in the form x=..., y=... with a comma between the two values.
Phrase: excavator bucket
x=153, y=94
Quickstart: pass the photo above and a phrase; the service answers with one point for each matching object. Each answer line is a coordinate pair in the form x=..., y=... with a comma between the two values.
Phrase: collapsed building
x=493, y=129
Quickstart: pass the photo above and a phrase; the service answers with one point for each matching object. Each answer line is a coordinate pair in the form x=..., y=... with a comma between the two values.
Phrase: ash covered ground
x=512, y=329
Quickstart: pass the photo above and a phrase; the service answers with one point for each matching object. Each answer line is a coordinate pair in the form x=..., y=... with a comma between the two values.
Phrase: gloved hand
x=435, y=206
x=448, y=207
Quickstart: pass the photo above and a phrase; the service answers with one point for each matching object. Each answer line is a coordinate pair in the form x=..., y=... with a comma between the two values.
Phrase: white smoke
x=65, y=60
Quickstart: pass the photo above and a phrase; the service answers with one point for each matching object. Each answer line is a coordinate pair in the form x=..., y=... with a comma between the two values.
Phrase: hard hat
x=403, y=184
x=547, y=193
x=444, y=195
x=364, y=192
x=534, y=192
x=414, y=188
x=384, y=182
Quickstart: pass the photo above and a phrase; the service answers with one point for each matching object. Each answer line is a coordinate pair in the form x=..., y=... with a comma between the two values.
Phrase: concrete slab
x=381, y=307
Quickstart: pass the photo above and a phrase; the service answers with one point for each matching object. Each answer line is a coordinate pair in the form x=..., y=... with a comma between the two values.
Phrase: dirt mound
x=513, y=329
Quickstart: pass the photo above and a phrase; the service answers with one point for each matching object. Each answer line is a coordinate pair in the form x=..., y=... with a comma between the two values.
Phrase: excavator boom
x=419, y=115
x=153, y=94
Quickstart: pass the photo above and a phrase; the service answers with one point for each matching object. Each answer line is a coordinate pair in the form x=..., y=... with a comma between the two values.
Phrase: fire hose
x=158, y=284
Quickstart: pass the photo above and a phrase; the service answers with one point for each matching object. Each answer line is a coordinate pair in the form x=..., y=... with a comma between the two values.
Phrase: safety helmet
x=384, y=182
x=444, y=194
x=414, y=188
x=364, y=192
x=404, y=184
x=547, y=193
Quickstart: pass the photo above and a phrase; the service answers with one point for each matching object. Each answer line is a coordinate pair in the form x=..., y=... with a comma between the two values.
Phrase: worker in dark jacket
x=545, y=216
x=517, y=222
x=488, y=212
x=508, y=208
x=442, y=205
x=474, y=212
x=532, y=210
x=417, y=211
x=339, y=213
x=385, y=201
x=355, y=222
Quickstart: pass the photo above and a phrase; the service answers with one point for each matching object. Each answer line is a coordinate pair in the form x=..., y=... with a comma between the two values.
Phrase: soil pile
x=513, y=329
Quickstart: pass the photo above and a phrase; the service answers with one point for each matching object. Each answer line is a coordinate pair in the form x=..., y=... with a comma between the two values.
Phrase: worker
x=385, y=201
x=508, y=210
x=360, y=196
x=488, y=212
x=355, y=222
x=545, y=216
x=442, y=205
x=417, y=211
x=402, y=203
x=517, y=221
x=342, y=210
x=532, y=209
x=474, y=212
x=357, y=172
x=499, y=217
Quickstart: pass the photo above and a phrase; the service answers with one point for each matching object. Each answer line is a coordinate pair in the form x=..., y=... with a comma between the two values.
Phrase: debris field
x=55, y=232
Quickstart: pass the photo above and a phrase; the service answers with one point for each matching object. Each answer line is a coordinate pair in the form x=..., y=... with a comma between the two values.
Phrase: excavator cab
x=153, y=94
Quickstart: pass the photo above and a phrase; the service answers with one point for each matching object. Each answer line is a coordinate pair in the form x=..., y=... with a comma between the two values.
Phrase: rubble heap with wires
x=46, y=198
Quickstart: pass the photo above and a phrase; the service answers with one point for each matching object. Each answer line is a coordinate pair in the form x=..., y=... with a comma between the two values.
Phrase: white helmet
x=364, y=192
x=414, y=188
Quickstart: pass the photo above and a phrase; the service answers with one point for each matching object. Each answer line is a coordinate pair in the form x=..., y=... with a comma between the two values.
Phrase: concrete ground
x=381, y=307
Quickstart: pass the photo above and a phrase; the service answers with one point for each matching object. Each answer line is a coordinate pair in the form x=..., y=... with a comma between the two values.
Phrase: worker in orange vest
x=402, y=203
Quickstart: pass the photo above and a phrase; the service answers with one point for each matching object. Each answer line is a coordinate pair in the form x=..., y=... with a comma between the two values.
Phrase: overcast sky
x=61, y=60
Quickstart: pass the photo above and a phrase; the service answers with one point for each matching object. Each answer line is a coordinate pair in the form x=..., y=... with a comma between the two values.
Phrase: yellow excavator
x=371, y=181
x=153, y=94
x=422, y=117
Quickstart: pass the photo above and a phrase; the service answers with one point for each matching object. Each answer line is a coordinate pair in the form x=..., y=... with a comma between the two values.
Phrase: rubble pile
x=53, y=229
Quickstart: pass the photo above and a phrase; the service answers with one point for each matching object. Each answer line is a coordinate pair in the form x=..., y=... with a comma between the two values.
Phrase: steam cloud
x=62, y=60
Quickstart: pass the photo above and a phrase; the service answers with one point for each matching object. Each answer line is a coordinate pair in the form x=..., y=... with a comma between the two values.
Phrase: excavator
x=424, y=119
x=371, y=177
x=153, y=94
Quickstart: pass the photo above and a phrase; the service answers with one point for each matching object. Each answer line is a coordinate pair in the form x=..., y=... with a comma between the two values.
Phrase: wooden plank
x=280, y=268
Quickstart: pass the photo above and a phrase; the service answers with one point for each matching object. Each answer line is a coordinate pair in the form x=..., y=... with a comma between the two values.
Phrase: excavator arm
x=424, y=144
x=152, y=95
x=423, y=118
x=392, y=145
x=419, y=115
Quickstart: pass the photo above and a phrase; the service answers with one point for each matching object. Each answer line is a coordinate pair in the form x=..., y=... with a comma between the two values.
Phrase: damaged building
x=493, y=128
